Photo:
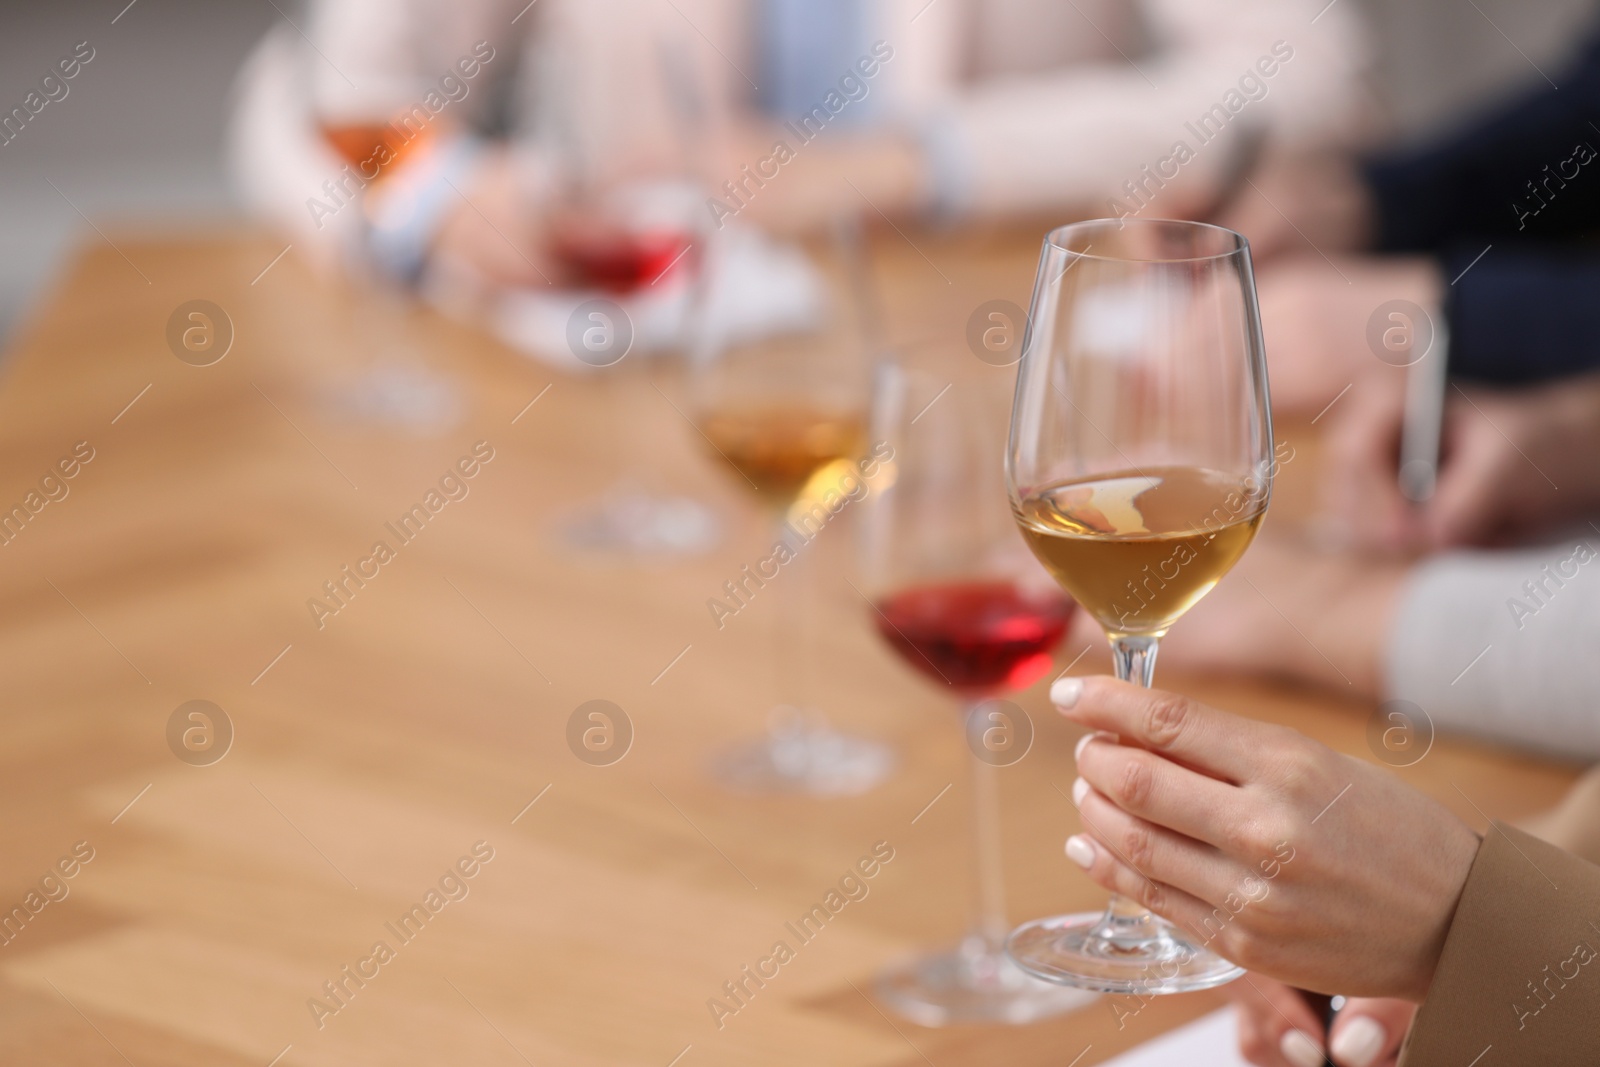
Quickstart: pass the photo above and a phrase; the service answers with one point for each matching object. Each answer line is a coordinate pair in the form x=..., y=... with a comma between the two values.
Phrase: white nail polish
x=1080, y=789
x=1081, y=852
x=1358, y=1042
x=1300, y=1050
x=1077, y=750
x=1064, y=692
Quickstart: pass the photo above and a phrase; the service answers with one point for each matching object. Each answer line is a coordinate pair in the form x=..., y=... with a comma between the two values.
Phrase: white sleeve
x=1504, y=644
x=1075, y=137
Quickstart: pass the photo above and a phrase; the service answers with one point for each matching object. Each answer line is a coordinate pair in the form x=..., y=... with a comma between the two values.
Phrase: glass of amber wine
x=1139, y=469
x=785, y=412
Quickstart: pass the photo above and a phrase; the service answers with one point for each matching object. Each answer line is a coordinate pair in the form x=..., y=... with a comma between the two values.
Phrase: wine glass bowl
x=979, y=635
x=1139, y=468
x=626, y=238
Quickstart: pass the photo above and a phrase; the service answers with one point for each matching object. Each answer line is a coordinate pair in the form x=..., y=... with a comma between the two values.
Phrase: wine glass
x=369, y=131
x=625, y=229
x=1139, y=467
x=784, y=411
x=954, y=592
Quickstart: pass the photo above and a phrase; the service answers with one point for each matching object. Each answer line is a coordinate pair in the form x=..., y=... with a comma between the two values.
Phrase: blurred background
x=141, y=137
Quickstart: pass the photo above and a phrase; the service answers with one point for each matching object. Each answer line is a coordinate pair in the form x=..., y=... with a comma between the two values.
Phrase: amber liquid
x=360, y=143
x=1137, y=549
x=779, y=449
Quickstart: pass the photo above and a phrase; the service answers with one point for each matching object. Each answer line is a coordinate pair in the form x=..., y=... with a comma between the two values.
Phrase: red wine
x=616, y=259
x=980, y=636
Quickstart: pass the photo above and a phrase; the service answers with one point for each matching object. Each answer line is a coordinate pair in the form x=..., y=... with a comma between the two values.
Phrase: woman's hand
x=1284, y=856
x=1504, y=453
x=1277, y=1027
x=495, y=233
x=1303, y=202
x=1315, y=316
x=1339, y=608
x=805, y=189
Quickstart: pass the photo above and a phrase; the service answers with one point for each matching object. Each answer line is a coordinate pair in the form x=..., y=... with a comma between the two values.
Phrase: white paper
x=759, y=287
x=1210, y=1041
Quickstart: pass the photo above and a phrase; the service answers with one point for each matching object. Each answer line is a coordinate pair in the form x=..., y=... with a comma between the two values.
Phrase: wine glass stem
x=789, y=630
x=1134, y=659
x=989, y=893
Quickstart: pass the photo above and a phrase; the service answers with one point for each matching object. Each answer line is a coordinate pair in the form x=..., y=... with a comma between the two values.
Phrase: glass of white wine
x=784, y=410
x=1139, y=467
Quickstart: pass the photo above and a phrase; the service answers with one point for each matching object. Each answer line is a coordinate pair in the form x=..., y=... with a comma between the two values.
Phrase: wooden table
x=430, y=713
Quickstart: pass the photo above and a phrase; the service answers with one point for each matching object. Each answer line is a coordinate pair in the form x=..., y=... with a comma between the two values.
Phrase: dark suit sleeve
x=1500, y=201
x=1519, y=978
x=1527, y=170
x=1520, y=315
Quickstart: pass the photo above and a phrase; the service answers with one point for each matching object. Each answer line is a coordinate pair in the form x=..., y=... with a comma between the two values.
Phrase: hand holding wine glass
x=1140, y=466
x=1351, y=876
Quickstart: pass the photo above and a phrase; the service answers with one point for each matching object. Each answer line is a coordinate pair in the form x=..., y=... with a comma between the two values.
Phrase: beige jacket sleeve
x=1518, y=981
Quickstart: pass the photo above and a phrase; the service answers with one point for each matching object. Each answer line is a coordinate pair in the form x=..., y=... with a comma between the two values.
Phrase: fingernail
x=1077, y=751
x=1300, y=1050
x=1080, y=789
x=1081, y=852
x=1358, y=1042
x=1064, y=692
x=1092, y=735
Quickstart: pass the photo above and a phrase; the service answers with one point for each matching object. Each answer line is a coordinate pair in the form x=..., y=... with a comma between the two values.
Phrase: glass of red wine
x=625, y=223
x=956, y=594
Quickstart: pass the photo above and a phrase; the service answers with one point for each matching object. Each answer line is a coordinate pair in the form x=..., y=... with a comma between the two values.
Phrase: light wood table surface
x=371, y=754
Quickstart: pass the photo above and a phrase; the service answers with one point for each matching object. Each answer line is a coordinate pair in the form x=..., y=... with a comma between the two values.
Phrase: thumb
x=1368, y=1032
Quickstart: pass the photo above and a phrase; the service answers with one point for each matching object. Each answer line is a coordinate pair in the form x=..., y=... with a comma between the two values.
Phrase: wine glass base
x=959, y=987
x=628, y=522
x=818, y=761
x=1072, y=950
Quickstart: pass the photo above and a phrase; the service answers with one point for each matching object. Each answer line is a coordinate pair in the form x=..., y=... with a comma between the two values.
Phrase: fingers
x=1226, y=746
x=1106, y=869
x=1159, y=791
x=1277, y=1027
x=1462, y=508
x=1159, y=854
x=1369, y=1032
x=1362, y=466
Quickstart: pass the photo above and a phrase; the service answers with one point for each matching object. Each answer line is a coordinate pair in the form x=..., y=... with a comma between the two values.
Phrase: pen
x=1423, y=419
x=1327, y=1009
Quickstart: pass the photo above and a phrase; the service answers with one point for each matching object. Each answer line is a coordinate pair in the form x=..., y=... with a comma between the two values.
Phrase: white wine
x=778, y=449
x=1139, y=548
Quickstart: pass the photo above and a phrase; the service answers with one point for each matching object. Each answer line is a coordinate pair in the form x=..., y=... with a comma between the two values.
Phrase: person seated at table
x=1324, y=872
x=962, y=108
x=1486, y=228
x=1495, y=643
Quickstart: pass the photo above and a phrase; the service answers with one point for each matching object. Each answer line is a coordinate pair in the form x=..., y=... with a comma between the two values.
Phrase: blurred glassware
x=955, y=593
x=786, y=414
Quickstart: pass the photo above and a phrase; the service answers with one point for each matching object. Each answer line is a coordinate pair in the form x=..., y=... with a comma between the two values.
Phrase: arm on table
x=1073, y=138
